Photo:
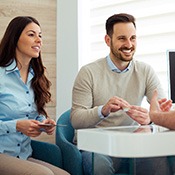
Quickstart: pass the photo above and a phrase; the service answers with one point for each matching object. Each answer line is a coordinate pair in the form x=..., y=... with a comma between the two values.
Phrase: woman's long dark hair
x=40, y=83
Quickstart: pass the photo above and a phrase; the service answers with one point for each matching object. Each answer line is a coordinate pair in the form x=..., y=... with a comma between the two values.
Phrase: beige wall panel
x=49, y=58
x=51, y=70
x=45, y=12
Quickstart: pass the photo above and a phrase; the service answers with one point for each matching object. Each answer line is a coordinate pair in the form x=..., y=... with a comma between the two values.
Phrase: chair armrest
x=70, y=152
x=47, y=152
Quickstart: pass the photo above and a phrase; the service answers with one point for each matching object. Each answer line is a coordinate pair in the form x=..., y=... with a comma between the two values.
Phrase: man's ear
x=108, y=40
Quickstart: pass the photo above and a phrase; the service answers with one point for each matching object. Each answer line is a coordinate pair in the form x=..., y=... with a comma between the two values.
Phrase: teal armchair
x=72, y=160
x=47, y=152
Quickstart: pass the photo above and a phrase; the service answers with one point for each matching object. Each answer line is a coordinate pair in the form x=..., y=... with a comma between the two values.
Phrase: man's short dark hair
x=118, y=18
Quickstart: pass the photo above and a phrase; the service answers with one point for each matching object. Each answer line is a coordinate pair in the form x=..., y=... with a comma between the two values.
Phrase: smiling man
x=105, y=88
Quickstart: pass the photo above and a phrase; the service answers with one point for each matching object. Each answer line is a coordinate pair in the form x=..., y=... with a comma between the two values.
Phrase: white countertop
x=128, y=141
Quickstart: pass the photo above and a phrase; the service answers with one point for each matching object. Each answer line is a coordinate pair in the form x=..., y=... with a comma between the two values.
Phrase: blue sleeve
x=99, y=112
x=7, y=127
x=40, y=118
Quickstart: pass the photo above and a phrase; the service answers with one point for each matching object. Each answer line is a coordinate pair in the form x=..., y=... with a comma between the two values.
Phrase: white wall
x=67, y=52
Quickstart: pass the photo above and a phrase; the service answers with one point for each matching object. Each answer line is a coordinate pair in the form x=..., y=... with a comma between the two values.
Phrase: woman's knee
x=41, y=170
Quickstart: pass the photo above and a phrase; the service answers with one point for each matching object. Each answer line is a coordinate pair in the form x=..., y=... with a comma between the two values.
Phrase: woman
x=24, y=92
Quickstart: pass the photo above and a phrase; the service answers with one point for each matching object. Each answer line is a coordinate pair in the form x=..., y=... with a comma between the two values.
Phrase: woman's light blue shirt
x=16, y=103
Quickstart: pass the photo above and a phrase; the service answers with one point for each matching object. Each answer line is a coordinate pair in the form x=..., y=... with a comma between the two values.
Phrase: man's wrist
x=100, y=112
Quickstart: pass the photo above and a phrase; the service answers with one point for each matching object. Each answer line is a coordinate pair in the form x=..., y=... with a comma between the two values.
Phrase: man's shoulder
x=141, y=65
x=143, y=69
x=99, y=63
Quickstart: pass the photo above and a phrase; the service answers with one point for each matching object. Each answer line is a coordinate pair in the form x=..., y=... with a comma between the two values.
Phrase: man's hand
x=113, y=105
x=139, y=114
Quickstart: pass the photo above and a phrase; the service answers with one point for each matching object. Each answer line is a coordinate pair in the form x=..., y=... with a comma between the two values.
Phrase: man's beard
x=118, y=55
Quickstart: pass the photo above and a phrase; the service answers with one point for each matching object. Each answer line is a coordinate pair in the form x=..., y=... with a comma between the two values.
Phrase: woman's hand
x=28, y=127
x=50, y=128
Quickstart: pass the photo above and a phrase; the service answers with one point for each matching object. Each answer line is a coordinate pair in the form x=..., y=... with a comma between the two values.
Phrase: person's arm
x=152, y=83
x=28, y=127
x=165, y=119
x=83, y=114
x=7, y=127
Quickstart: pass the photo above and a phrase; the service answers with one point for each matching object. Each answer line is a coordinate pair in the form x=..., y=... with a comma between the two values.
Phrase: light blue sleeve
x=40, y=118
x=99, y=112
x=7, y=127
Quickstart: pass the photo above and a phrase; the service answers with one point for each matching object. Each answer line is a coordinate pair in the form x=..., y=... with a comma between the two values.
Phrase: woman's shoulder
x=2, y=71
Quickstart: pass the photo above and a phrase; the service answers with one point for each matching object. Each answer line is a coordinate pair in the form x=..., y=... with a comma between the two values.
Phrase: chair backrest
x=72, y=159
x=65, y=132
